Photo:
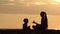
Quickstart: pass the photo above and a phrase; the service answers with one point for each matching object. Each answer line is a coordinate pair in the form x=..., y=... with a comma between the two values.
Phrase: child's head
x=25, y=20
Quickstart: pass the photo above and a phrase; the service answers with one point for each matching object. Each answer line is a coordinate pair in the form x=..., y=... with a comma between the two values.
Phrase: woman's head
x=43, y=14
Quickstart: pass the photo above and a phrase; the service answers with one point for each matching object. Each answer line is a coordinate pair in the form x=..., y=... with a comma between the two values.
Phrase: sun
x=57, y=0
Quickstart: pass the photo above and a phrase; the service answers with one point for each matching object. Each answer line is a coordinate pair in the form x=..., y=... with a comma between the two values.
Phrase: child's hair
x=25, y=20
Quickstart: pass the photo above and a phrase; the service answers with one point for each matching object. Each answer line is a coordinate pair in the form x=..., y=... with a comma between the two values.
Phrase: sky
x=29, y=6
x=12, y=11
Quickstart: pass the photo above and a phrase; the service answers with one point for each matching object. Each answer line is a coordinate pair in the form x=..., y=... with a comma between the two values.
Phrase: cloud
x=27, y=7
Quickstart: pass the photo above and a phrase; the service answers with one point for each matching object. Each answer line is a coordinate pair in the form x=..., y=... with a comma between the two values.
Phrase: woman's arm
x=35, y=22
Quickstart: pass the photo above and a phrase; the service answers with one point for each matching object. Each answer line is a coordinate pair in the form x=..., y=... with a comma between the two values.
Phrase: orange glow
x=56, y=0
x=37, y=3
x=12, y=0
x=53, y=3
x=40, y=3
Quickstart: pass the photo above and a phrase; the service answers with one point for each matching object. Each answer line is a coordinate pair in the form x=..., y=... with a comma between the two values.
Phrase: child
x=25, y=26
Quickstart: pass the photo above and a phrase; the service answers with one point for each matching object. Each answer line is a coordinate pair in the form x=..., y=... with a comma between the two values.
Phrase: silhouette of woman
x=43, y=25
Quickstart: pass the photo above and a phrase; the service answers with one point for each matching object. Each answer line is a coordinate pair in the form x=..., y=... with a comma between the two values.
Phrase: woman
x=43, y=24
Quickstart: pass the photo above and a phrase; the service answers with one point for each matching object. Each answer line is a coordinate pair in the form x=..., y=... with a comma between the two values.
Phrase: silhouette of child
x=25, y=26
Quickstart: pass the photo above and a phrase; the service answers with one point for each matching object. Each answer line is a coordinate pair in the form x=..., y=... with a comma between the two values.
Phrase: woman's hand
x=34, y=22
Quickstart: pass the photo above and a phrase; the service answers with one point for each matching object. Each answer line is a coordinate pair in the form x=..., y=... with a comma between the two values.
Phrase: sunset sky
x=12, y=13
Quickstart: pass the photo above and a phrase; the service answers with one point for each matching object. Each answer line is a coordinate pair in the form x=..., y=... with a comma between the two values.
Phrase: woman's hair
x=43, y=14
